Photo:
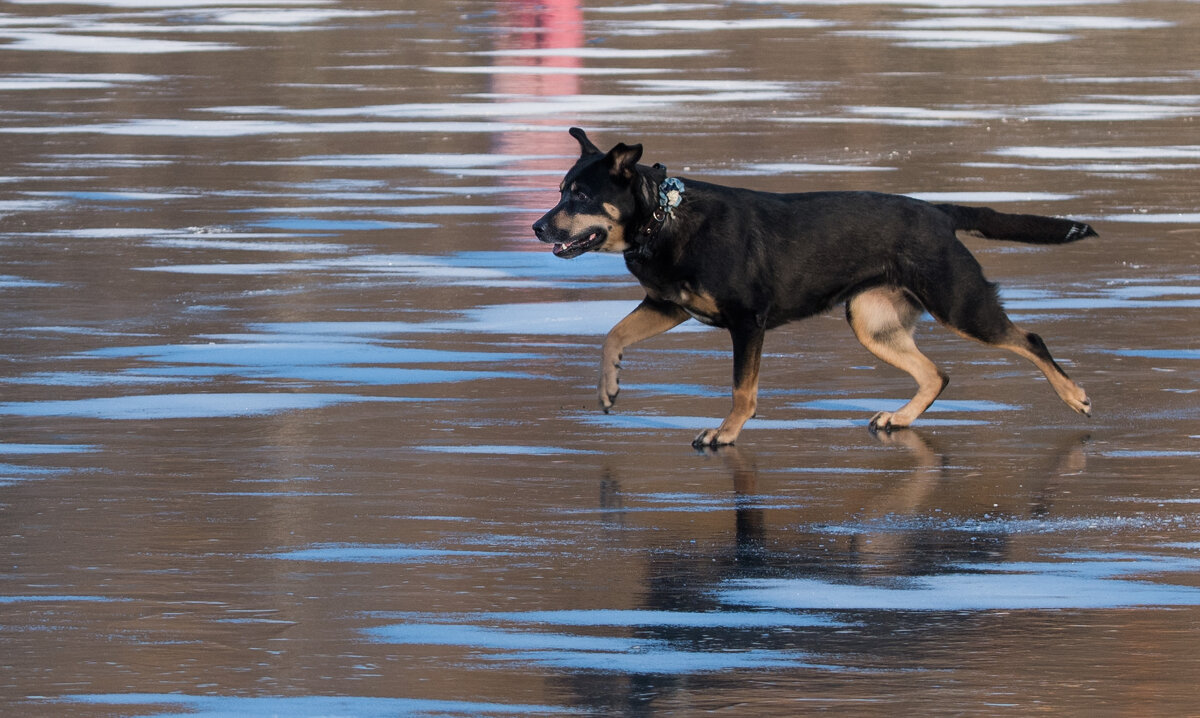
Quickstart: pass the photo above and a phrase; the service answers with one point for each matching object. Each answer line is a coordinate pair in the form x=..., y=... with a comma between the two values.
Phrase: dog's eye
x=579, y=194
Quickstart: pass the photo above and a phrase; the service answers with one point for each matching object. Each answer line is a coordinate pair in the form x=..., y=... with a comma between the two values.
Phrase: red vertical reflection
x=539, y=27
x=528, y=68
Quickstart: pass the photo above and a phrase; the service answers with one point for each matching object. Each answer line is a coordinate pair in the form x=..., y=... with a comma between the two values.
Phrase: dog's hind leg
x=1031, y=346
x=884, y=319
x=966, y=302
x=648, y=319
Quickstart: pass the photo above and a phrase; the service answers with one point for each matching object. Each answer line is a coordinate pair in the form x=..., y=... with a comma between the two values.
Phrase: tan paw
x=886, y=421
x=714, y=437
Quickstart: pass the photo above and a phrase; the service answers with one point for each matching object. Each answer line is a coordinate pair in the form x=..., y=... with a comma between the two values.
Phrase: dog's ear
x=624, y=158
x=585, y=145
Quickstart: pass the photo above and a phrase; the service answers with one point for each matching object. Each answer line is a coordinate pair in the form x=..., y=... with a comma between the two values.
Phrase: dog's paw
x=713, y=437
x=1081, y=404
x=886, y=422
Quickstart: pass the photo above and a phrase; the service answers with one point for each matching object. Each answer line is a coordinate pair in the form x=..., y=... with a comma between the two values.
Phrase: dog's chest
x=698, y=303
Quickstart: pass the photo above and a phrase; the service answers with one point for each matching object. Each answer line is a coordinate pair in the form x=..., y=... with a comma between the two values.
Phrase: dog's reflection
x=921, y=512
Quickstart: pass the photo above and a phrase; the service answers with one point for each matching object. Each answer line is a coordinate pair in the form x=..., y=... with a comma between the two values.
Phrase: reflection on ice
x=6, y=448
x=872, y=404
x=182, y=406
x=698, y=423
x=11, y=474
x=1190, y=354
x=696, y=503
x=575, y=651
x=584, y=318
x=9, y=600
x=339, y=356
x=7, y=281
x=989, y=525
x=209, y=706
x=360, y=553
x=680, y=619
x=1085, y=581
x=505, y=450
x=268, y=351
x=495, y=269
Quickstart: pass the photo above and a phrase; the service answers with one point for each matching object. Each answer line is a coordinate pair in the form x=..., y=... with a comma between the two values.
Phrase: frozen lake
x=299, y=419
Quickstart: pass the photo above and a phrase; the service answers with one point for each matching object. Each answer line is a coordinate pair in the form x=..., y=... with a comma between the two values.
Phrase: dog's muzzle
x=569, y=247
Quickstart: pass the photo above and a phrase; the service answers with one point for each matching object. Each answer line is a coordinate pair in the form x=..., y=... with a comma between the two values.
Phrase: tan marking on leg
x=747, y=358
x=883, y=319
x=649, y=319
x=1031, y=346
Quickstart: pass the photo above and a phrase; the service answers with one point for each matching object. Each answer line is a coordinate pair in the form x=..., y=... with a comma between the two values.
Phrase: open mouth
x=583, y=243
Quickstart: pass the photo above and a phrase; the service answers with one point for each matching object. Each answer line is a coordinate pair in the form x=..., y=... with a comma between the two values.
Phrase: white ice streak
x=1168, y=152
x=593, y=53
x=72, y=81
x=959, y=39
x=1034, y=23
x=658, y=96
x=98, y=44
x=167, y=127
x=665, y=7
x=685, y=25
x=179, y=4
x=967, y=31
x=1100, y=108
x=942, y=4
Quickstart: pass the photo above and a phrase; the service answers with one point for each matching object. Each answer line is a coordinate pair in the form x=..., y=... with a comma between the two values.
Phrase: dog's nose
x=539, y=228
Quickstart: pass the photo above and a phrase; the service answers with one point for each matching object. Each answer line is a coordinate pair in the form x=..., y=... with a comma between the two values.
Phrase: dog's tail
x=1030, y=228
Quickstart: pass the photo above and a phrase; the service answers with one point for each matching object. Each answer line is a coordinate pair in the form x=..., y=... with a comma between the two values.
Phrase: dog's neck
x=659, y=195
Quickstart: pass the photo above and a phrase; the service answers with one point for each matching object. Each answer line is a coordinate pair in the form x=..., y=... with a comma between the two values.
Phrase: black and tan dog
x=750, y=261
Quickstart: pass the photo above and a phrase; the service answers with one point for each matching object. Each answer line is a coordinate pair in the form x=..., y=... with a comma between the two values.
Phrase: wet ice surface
x=299, y=419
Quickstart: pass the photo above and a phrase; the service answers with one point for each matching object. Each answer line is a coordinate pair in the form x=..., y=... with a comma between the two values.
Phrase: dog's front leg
x=747, y=354
x=649, y=319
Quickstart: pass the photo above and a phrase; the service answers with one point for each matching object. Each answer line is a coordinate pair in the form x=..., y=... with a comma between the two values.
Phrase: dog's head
x=603, y=196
